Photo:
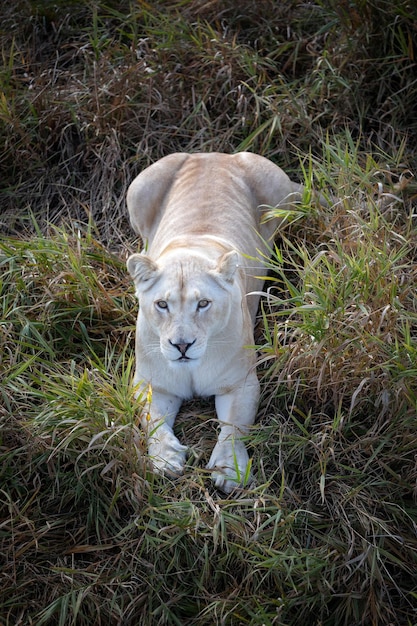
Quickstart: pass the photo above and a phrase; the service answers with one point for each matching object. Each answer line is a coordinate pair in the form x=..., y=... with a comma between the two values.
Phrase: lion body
x=198, y=281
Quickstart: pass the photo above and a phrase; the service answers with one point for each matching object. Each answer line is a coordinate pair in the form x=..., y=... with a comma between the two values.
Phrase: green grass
x=326, y=536
x=90, y=93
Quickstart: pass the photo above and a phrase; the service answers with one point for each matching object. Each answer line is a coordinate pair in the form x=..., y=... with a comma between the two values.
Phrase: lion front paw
x=166, y=452
x=230, y=464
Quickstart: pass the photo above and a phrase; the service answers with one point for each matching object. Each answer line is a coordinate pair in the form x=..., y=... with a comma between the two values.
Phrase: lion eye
x=162, y=305
x=203, y=304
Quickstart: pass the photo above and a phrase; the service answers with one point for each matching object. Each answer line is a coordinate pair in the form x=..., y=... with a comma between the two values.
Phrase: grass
x=89, y=95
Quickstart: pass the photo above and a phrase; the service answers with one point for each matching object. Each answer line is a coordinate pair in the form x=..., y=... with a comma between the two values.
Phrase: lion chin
x=183, y=361
x=198, y=281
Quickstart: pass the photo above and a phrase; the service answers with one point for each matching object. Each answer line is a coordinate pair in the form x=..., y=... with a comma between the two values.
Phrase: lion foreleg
x=167, y=454
x=229, y=460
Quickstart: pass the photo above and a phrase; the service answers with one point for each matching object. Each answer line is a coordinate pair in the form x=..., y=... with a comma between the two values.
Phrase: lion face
x=186, y=300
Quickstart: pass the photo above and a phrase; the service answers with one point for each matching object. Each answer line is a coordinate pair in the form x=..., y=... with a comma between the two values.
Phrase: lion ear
x=142, y=268
x=228, y=265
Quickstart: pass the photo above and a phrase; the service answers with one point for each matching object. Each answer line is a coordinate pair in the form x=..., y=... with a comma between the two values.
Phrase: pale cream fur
x=200, y=217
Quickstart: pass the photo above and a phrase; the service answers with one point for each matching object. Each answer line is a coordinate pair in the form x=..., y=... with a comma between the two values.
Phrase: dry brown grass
x=95, y=93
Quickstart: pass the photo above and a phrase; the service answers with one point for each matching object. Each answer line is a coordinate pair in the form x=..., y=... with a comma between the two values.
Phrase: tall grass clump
x=92, y=92
x=345, y=297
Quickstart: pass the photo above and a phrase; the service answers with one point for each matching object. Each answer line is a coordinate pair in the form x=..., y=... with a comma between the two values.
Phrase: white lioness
x=200, y=217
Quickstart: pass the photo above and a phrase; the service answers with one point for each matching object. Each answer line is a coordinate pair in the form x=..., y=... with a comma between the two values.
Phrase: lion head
x=185, y=299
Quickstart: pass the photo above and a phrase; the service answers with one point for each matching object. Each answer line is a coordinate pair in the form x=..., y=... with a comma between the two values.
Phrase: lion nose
x=182, y=347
